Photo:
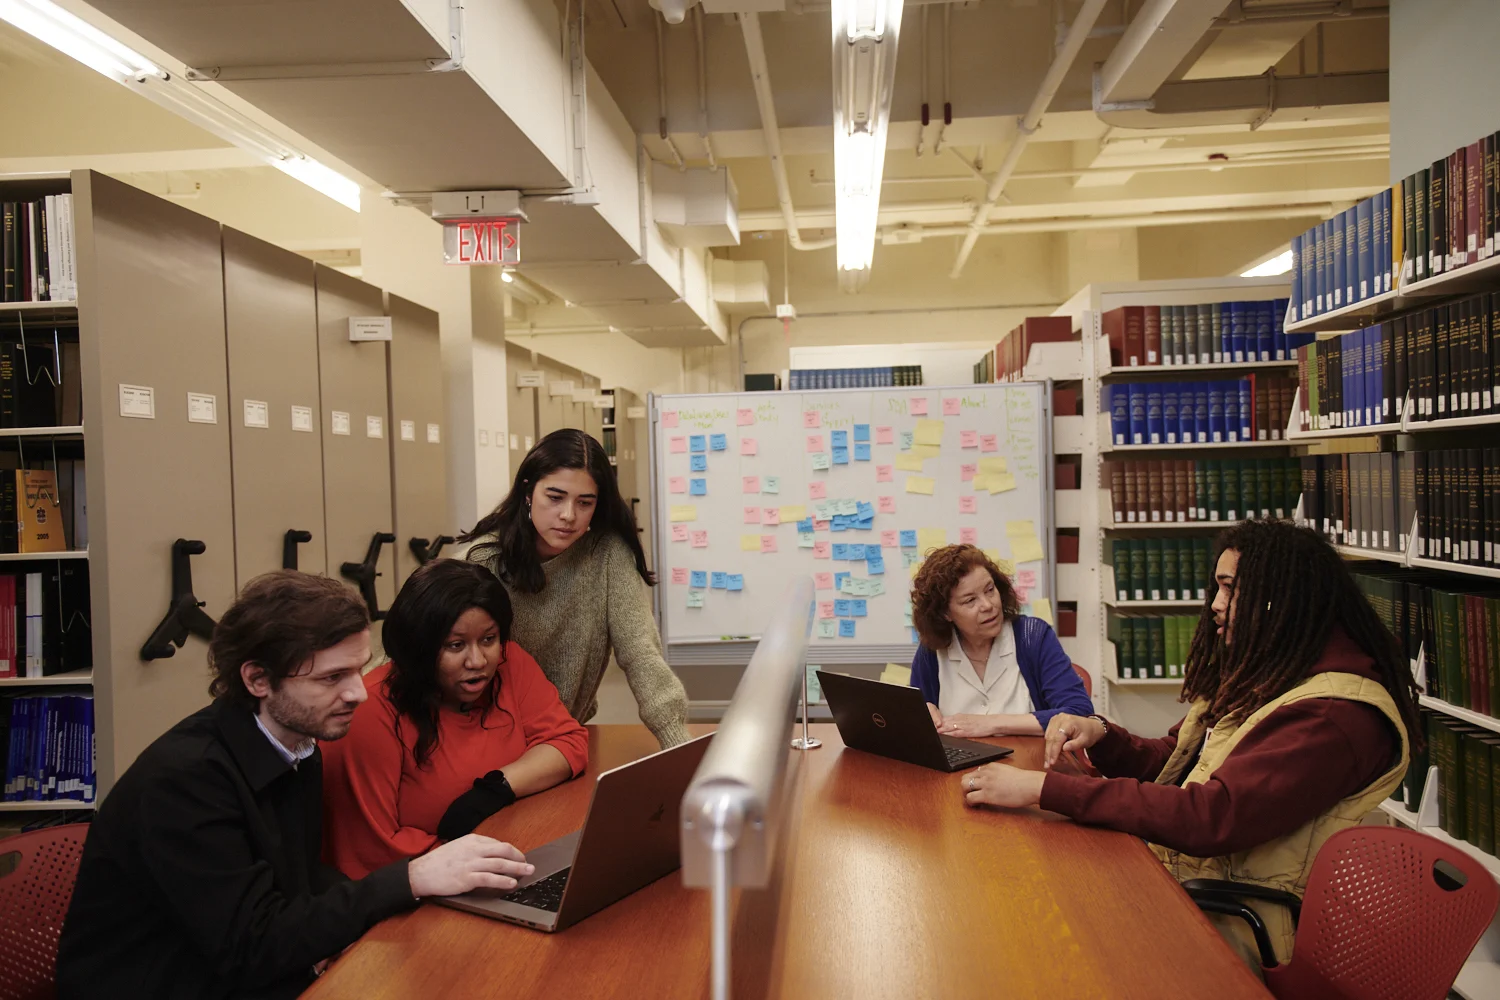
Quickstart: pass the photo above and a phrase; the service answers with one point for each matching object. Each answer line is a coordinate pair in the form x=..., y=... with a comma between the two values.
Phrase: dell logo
x=878, y=719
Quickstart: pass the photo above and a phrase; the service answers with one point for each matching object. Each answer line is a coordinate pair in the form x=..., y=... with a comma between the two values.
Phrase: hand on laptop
x=972, y=726
x=1002, y=785
x=468, y=863
x=937, y=716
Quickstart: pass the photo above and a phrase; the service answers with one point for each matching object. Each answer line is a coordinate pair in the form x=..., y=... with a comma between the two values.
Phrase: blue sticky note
x=735, y=581
x=699, y=578
x=697, y=443
x=906, y=437
x=718, y=442
x=698, y=488
x=843, y=607
x=838, y=523
x=805, y=525
x=858, y=608
x=876, y=566
x=840, y=456
x=861, y=432
x=915, y=638
x=846, y=628
x=698, y=463
x=862, y=453
x=864, y=510
x=838, y=580
x=872, y=550
x=840, y=439
x=909, y=539
x=840, y=550
x=856, y=551
x=720, y=580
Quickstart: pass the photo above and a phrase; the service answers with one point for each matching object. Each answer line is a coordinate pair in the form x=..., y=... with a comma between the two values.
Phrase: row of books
x=1253, y=408
x=36, y=250
x=854, y=378
x=1449, y=211
x=1346, y=259
x=1349, y=381
x=49, y=748
x=42, y=509
x=40, y=381
x=1211, y=333
x=1162, y=569
x=1468, y=762
x=1152, y=646
x=1207, y=490
x=45, y=621
x=1008, y=360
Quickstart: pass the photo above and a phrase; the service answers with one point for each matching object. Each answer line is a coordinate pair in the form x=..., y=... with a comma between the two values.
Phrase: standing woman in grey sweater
x=564, y=543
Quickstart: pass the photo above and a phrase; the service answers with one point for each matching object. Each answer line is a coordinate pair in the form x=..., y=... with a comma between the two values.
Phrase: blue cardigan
x=1047, y=670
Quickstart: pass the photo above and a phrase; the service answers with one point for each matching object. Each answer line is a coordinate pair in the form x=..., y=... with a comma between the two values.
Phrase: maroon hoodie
x=1293, y=766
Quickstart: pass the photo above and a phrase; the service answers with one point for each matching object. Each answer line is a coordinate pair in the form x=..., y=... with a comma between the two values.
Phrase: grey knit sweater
x=595, y=601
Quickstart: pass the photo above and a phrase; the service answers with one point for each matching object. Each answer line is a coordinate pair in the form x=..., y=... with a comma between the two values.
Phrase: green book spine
x=1203, y=574
x=1437, y=751
x=1230, y=492
x=1135, y=651
x=1158, y=647
x=1249, y=495
x=1472, y=750
x=1172, y=642
x=1200, y=489
x=1416, y=774
x=1265, y=492
x=1122, y=549
x=1215, y=489
x=1137, y=569
x=1453, y=782
x=1125, y=639
x=1153, y=569
x=1186, y=570
x=1482, y=750
x=1169, y=569
x=1465, y=683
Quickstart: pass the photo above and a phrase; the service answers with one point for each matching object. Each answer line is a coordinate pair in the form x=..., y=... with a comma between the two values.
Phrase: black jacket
x=201, y=877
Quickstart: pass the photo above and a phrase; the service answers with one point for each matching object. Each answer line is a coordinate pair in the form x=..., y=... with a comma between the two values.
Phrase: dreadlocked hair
x=1291, y=588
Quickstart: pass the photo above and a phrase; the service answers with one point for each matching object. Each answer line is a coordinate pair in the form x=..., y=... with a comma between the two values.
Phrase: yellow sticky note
x=907, y=462
x=794, y=512
x=895, y=673
x=1017, y=529
x=1026, y=548
x=999, y=482
x=928, y=432
x=920, y=484
x=995, y=463
x=981, y=482
x=1006, y=566
x=1041, y=608
x=931, y=538
x=684, y=512
x=926, y=450
x=749, y=543
x=994, y=554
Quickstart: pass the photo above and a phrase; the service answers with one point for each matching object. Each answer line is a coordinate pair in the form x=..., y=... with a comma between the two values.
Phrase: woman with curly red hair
x=985, y=668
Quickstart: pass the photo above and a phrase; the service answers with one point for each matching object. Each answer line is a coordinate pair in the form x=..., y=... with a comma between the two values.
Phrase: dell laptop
x=629, y=840
x=893, y=721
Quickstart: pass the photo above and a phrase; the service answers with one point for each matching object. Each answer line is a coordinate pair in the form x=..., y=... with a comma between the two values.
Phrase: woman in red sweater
x=459, y=724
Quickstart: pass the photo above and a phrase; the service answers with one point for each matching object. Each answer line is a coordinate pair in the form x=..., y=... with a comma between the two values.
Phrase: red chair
x=34, y=898
x=1389, y=914
x=1083, y=675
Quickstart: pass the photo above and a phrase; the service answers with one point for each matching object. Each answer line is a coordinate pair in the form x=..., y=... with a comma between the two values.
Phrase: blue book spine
x=1236, y=333
x=1351, y=254
x=1231, y=412
x=1380, y=239
x=90, y=777
x=1339, y=271
x=1265, y=316
x=1137, y=414
x=1171, y=422
x=1280, y=309
x=12, y=751
x=1153, y=413
x=1296, y=273
x=38, y=740
x=1119, y=413
x=1187, y=412
x=1374, y=377
x=1247, y=409
x=1320, y=266
x=1364, y=251
x=1355, y=403
x=1216, y=412
x=1200, y=412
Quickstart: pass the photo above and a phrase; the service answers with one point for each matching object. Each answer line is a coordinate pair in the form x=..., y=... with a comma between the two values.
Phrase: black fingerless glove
x=489, y=795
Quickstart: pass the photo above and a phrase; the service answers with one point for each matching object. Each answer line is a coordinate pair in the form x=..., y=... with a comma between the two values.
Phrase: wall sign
x=482, y=241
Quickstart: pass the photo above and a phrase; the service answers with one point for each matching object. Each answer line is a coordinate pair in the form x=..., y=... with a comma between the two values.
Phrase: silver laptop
x=629, y=840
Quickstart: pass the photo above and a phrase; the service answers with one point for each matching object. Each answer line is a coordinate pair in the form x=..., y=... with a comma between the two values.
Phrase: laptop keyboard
x=958, y=756
x=545, y=894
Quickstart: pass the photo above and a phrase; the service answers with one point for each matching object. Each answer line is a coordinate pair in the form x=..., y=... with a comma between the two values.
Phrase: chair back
x=34, y=898
x=1083, y=675
x=1389, y=914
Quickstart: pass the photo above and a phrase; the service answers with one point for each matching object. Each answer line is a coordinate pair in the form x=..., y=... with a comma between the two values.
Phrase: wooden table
x=890, y=887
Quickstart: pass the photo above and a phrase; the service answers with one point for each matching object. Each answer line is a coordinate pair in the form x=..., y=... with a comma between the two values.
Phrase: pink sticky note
x=890, y=539
x=744, y=418
x=968, y=439
x=919, y=406
x=669, y=418
x=989, y=442
x=822, y=581
x=768, y=543
x=817, y=490
x=677, y=484
x=748, y=446
x=885, y=435
x=812, y=418
x=1026, y=578
x=679, y=445
x=819, y=525
x=679, y=533
x=883, y=474
x=679, y=575
x=886, y=505
x=770, y=515
x=968, y=536
x=1023, y=594
x=966, y=472
x=815, y=442
x=825, y=609
x=752, y=515
x=950, y=406
x=700, y=539
x=822, y=550
x=968, y=504
x=749, y=484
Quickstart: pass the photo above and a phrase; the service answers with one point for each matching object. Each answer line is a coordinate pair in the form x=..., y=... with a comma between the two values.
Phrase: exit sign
x=481, y=241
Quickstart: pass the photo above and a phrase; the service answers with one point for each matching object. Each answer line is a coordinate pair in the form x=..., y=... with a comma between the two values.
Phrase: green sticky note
x=695, y=599
x=821, y=461
x=770, y=484
x=805, y=540
x=814, y=688
x=827, y=628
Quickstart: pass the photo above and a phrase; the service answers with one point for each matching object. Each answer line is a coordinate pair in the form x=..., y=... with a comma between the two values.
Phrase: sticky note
x=817, y=490
x=875, y=566
x=926, y=450
x=886, y=505
x=679, y=575
x=906, y=440
x=698, y=442
x=908, y=462
x=820, y=461
x=839, y=439
x=744, y=418
x=679, y=532
x=968, y=505
x=734, y=581
x=918, y=406
x=910, y=559
x=1023, y=594
x=698, y=463
x=951, y=406
x=825, y=609
x=749, y=543
x=841, y=456
x=720, y=580
x=931, y=538
x=993, y=465
x=814, y=442
x=846, y=628
x=1026, y=578
x=1042, y=608
x=700, y=539
x=677, y=445
x=812, y=418
x=752, y=515
x=823, y=550
x=683, y=512
x=856, y=552
x=895, y=673
x=695, y=599
x=806, y=524
x=1026, y=549
x=858, y=609
x=827, y=628
x=768, y=543
x=909, y=539
x=822, y=581
x=699, y=488
x=862, y=452
x=928, y=432
x=861, y=432
x=677, y=484
x=1001, y=481
x=669, y=418
x=877, y=587
x=890, y=539
x=840, y=550
x=968, y=536
x=989, y=442
x=805, y=540
x=968, y=439
x=749, y=484
x=770, y=484
x=794, y=512
x=920, y=484
x=699, y=577
x=772, y=515
x=843, y=607
x=885, y=435
x=883, y=473
x=748, y=446
x=718, y=442
x=966, y=472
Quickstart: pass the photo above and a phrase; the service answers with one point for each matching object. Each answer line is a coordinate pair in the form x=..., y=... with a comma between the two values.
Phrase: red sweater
x=1293, y=766
x=379, y=807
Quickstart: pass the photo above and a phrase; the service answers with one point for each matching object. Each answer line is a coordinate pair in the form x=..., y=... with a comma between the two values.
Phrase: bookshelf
x=1245, y=366
x=81, y=678
x=1226, y=446
x=1352, y=317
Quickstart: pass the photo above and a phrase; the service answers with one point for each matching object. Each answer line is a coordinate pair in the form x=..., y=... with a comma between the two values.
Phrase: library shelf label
x=341, y=423
x=302, y=419
x=435, y=435
x=408, y=430
x=137, y=401
x=374, y=427
x=257, y=413
x=203, y=408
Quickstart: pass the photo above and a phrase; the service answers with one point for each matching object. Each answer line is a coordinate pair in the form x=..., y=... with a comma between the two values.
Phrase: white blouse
x=1003, y=690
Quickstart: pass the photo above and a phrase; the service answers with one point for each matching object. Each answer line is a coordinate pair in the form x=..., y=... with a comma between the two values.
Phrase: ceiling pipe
x=708, y=146
x=661, y=96
x=760, y=75
x=926, y=107
x=1319, y=210
x=1066, y=53
x=947, y=51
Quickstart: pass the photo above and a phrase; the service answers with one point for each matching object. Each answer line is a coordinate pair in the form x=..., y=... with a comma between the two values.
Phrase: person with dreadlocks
x=1301, y=717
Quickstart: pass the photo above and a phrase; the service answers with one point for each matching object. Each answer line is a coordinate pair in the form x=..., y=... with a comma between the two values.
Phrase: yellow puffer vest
x=1282, y=863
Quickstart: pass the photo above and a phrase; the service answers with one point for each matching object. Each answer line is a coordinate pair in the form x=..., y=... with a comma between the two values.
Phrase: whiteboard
x=762, y=452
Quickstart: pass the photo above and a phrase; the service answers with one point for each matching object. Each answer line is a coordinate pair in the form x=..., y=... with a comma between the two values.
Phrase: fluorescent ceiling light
x=864, y=68
x=1280, y=264
x=75, y=37
x=320, y=178
x=507, y=277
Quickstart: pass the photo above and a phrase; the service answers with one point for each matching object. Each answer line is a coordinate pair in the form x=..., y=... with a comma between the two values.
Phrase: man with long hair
x=1302, y=712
